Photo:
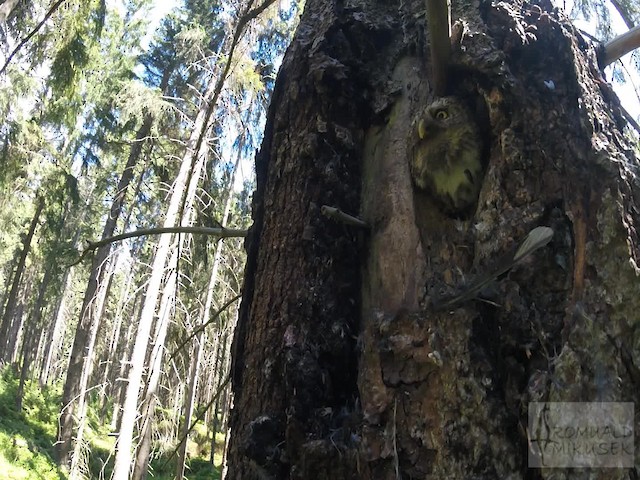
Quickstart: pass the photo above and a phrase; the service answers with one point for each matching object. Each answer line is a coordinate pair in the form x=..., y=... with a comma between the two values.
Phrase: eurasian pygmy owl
x=446, y=153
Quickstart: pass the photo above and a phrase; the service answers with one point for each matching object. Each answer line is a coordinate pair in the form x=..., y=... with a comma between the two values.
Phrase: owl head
x=440, y=116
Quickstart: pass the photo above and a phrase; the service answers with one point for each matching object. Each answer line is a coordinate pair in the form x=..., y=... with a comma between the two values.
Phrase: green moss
x=27, y=438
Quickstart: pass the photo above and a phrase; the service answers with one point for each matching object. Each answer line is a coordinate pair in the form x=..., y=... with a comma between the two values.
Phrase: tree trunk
x=27, y=345
x=56, y=332
x=184, y=188
x=111, y=352
x=343, y=366
x=75, y=383
x=7, y=339
x=32, y=335
x=119, y=387
x=87, y=368
x=189, y=404
x=201, y=338
x=150, y=395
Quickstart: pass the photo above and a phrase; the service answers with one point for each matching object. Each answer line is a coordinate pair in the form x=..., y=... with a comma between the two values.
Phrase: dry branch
x=439, y=22
x=621, y=45
x=218, y=232
x=24, y=41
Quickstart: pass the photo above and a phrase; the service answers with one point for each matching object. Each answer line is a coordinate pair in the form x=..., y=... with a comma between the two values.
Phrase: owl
x=446, y=154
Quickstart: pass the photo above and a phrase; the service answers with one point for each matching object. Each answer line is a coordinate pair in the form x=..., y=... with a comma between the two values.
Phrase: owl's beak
x=425, y=128
x=422, y=129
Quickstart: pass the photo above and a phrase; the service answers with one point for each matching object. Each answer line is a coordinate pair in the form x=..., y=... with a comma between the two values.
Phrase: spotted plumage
x=446, y=154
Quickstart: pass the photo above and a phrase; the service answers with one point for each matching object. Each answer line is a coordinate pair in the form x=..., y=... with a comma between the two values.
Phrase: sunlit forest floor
x=27, y=438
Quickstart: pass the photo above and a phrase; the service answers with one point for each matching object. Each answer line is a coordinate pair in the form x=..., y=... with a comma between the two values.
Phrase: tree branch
x=630, y=119
x=202, y=327
x=439, y=22
x=621, y=45
x=24, y=41
x=339, y=216
x=218, y=232
x=624, y=13
x=213, y=100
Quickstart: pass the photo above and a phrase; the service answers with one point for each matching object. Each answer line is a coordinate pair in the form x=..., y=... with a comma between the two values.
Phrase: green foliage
x=67, y=64
x=18, y=85
x=27, y=436
x=134, y=101
x=20, y=19
x=196, y=469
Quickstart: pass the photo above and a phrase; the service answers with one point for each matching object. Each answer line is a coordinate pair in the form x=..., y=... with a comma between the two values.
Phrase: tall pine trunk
x=182, y=196
x=55, y=332
x=32, y=334
x=80, y=361
x=343, y=369
x=8, y=332
x=201, y=337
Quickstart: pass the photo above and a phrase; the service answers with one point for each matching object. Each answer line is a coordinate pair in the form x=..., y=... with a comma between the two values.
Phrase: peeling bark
x=342, y=367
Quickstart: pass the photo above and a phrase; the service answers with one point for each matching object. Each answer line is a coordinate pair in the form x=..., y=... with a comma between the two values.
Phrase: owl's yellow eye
x=442, y=115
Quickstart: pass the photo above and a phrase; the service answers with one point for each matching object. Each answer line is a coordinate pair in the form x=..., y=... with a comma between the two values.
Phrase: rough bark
x=294, y=371
x=434, y=394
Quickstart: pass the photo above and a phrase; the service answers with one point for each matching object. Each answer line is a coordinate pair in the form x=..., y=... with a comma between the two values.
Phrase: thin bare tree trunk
x=150, y=399
x=188, y=169
x=119, y=387
x=110, y=353
x=7, y=334
x=31, y=337
x=52, y=341
x=87, y=368
x=201, y=338
x=189, y=398
x=27, y=345
x=75, y=386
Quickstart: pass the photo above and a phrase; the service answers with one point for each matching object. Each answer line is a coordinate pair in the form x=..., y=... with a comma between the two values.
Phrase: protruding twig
x=621, y=45
x=218, y=232
x=439, y=23
x=339, y=216
x=537, y=238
